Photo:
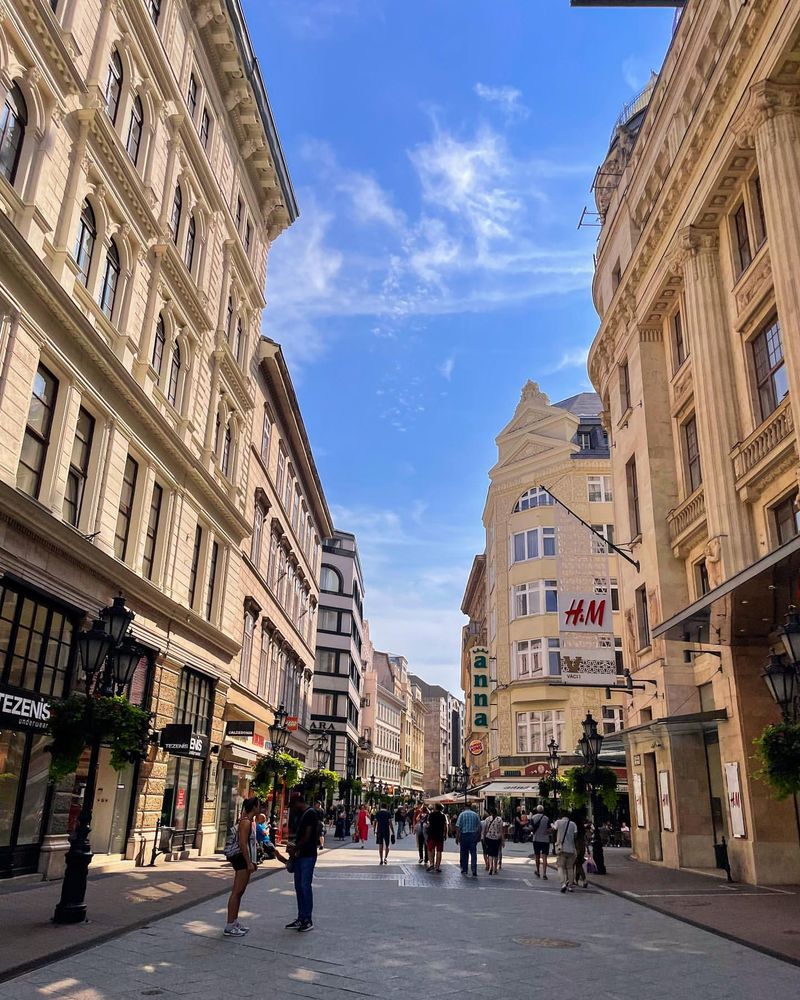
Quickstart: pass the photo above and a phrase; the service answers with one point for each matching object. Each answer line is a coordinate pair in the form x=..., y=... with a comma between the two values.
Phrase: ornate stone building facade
x=538, y=558
x=698, y=366
x=141, y=183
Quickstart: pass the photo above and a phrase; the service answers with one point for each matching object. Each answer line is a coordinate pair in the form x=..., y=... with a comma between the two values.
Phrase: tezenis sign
x=480, y=687
x=22, y=710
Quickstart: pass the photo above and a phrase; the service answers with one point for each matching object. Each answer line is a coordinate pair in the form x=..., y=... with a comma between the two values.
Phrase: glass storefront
x=182, y=804
x=36, y=654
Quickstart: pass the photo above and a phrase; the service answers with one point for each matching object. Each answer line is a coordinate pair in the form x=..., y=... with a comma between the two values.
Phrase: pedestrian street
x=399, y=931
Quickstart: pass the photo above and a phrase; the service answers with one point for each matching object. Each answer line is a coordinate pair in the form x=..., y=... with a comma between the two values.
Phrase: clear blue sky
x=441, y=151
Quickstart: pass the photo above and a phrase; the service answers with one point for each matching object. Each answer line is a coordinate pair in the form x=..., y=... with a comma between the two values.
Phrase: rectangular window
x=691, y=452
x=205, y=127
x=327, y=661
x=642, y=617
x=533, y=544
x=701, y=581
x=266, y=435
x=191, y=96
x=37, y=432
x=612, y=719
x=785, y=519
x=255, y=541
x=281, y=470
x=618, y=659
x=624, y=387
x=151, y=536
x=247, y=649
x=585, y=440
x=678, y=342
x=248, y=237
x=78, y=467
x=614, y=594
x=323, y=703
x=771, y=382
x=535, y=598
x=212, y=579
x=195, y=566
x=741, y=238
x=125, y=509
x=632, y=482
x=239, y=210
x=536, y=729
x=599, y=489
x=758, y=204
x=599, y=548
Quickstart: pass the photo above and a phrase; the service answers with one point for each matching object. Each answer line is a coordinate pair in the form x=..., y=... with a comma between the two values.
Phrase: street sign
x=291, y=723
x=475, y=747
x=23, y=710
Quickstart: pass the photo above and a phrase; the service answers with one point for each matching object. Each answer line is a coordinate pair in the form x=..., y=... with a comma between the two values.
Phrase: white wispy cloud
x=446, y=368
x=635, y=72
x=508, y=99
x=317, y=19
x=574, y=357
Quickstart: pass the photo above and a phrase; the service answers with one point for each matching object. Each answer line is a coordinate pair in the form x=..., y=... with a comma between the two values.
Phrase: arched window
x=84, y=244
x=174, y=374
x=534, y=497
x=13, y=120
x=188, y=253
x=227, y=451
x=113, y=86
x=135, y=130
x=175, y=217
x=158, y=346
x=108, y=290
x=330, y=580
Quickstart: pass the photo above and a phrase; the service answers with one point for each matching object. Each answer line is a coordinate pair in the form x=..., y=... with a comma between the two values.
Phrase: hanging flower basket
x=264, y=771
x=579, y=780
x=778, y=750
x=77, y=720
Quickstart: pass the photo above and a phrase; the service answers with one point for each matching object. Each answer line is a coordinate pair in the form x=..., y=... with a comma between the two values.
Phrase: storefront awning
x=745, y=608
x=517, y=788
x=240, y=752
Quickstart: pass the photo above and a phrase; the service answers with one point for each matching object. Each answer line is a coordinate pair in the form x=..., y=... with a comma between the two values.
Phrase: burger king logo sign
x=475, y=747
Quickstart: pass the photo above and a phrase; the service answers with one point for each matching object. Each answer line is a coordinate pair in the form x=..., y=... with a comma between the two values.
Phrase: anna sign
x=480, y=687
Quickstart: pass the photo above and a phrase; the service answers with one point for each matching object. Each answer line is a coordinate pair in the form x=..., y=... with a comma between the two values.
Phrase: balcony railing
x=687, y=515
x=764, y=440
x=364, y=745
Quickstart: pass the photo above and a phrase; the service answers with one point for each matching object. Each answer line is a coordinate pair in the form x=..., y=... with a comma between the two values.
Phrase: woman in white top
x=493, y=836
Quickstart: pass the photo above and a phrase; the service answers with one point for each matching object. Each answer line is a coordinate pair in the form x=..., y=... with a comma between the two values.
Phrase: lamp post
x=371, y=788
x=552, y=750
x=278, y=738
x=463, y=779
x=321, y=753
x=590, y=744
x=108, y=657
x=781, y=672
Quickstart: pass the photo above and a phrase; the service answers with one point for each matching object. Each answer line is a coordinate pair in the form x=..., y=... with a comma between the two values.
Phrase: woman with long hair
x=362, y=825
x=242, y=852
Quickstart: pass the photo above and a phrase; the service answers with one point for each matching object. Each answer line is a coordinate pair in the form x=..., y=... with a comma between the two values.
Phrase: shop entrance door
x=111, y=807
x=716, y=787
x=653, y=807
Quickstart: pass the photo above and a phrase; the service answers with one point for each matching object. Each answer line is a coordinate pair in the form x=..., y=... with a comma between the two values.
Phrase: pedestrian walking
x=400, y=820
x=421, y=833
x=319, y=806
x=517, y=825
x=384, y=832
x=468, y=827
x=540, y=828
x=241, y=849
x=484, y=823
x=582, y=837
x=566, y=830
x=304, y=859
x=437, y=830
x=362, y=826
x=494, y=840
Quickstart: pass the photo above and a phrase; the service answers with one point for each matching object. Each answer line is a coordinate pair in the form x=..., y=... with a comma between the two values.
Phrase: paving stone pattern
x=398, y=931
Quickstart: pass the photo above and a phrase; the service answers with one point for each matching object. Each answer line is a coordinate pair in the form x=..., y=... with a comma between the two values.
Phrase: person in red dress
x=362, y=825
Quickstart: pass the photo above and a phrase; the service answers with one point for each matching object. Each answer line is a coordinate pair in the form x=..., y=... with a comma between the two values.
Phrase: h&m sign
x=480, y=687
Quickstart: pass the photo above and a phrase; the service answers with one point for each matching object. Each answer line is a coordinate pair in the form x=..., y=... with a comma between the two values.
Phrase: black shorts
x=382, y=839
x=541, y=847
x=239, y=862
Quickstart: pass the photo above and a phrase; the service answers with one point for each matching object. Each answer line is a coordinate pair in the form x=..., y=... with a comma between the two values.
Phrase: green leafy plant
x=263, y=773
x=579, y=780
x=77, y=720
x=778, y=750
x=322, y=776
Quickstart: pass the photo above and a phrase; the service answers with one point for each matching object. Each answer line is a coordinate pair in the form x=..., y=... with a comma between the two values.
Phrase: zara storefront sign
x=23, y=711
x=182, y=741
x=480, y=687
x=589, y=666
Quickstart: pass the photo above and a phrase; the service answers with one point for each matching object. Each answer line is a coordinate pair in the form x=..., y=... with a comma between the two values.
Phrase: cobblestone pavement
x=398, y=931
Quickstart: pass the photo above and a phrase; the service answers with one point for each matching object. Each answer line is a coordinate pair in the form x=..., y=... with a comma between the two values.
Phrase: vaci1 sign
x=589, y=666
x=22, y=710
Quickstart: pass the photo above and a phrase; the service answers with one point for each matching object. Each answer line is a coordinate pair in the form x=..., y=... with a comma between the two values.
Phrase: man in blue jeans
x=304, y=856
x=468, y=825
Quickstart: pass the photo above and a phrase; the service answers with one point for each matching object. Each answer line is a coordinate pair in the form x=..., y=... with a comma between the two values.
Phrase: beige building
x=280, y=569
x=412, y=742
x=540, y=563
x=381, y=724
x=141, y=183
x=698, y=365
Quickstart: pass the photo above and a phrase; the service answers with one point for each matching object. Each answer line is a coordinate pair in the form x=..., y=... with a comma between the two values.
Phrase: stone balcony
x=686, y=521
x=765, y=453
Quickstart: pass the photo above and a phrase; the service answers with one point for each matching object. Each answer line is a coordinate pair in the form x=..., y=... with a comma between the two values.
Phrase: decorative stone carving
x=713, y=557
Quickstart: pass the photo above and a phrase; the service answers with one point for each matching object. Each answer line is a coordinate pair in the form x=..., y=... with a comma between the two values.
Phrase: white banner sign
x=584, y=613
x=735, y=799
x=589, y=666
x=666, y=805
x=638, y=798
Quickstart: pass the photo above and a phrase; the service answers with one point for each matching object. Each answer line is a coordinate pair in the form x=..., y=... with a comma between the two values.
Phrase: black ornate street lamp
x=278, y=738
x=552, y=750
x=321, y=754
x=108, y=657
x=781, y=672
x=590, y=744
x=371, y=788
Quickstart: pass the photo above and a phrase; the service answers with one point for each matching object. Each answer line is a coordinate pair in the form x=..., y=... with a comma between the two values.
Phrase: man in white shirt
x=566, y=854
x=540, y=827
